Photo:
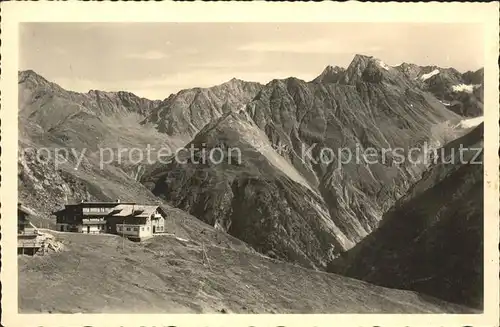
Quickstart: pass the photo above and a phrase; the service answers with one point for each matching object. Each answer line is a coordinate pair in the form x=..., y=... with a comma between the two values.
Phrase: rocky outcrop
x=330, y=75
x=186, y=112
x=254, y=194
x=431, y=241
x=474, y=78
x=461, y=93
x=49, y=105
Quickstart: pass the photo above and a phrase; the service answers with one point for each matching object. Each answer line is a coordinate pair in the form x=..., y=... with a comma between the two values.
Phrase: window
x=119, y=227
x=136, y=229
x=142, y=229
x=128, y=229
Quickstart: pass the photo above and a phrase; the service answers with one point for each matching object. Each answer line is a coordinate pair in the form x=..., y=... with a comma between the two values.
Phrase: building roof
x=96, y=203
x=25, y=209
x=121, y=210
x=134, y=210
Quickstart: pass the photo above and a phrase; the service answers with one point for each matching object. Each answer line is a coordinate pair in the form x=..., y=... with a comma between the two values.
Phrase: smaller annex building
x=137, y=221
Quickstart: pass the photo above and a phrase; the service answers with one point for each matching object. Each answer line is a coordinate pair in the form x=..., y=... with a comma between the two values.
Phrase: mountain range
x=282, y=197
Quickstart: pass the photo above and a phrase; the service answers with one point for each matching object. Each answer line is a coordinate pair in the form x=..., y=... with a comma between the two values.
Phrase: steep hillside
x=198, y=270
x=431, y=241
x=49, y=105
x=371, y=106
x=262, y=200
x=52, y=117
x=46, y=186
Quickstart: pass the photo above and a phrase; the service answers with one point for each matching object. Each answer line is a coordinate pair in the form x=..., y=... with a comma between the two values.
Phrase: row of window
x=136, y=229
x=128, y=229
x=91, y=209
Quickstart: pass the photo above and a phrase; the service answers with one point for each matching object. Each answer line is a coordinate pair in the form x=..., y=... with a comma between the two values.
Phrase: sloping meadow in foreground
x=105, y=274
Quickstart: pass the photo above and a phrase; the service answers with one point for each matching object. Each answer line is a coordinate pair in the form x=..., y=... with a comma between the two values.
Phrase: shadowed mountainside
x=262, y=200
x=431, y=241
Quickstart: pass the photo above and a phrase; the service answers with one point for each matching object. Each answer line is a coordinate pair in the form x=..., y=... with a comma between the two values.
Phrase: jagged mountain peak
x=285, y=82
x=186, y=112
x=29, y=73
x=331, y=74
x=361, y=57
x=33, y=80
x=123, y=95
x=364, y=60
x=235, y=80
x=365, y=68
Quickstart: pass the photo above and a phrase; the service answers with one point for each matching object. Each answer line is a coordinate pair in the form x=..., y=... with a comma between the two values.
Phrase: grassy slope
x=105, y=273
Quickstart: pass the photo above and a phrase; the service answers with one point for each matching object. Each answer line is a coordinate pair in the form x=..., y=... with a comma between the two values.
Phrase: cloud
x=323, y=45
x=312, y=46
x=229, y=63
x=148, y=55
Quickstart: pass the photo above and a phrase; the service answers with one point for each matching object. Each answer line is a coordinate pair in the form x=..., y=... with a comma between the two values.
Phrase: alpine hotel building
x=124, y=218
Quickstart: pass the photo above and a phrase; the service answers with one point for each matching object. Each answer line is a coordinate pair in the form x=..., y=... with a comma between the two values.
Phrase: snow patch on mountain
x=472, y=122
x=429, y=75
x=469, y=88
x=383, y=65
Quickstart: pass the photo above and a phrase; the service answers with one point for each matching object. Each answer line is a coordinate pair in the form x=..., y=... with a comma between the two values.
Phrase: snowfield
x=472, y=122
x=464, y=88
x=382, y=64
x=429, y=75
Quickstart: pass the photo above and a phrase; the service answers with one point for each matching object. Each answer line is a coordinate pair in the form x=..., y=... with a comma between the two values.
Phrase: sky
x=154, y=60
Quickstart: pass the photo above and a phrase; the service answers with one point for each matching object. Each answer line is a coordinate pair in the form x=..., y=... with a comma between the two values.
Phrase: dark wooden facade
x=85, y=217
x=28, y=240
